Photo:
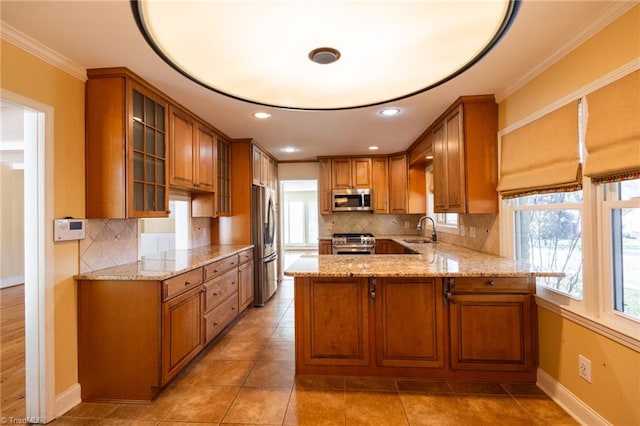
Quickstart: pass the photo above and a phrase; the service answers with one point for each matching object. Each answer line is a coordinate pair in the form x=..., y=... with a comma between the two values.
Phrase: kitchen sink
x=417, y=240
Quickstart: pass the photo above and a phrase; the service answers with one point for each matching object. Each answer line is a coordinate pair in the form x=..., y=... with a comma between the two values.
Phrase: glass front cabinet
x=126, y=146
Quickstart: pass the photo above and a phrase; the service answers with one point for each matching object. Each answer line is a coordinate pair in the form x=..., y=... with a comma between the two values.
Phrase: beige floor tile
x=73, y=421
x=439, y=409
x=279, y=350
x=91, y=409
x=374, y=408
x=425, y=387
x=315, y=407
x=269, y=373
x=155, y=411
x=371, y=384
x=202, y=404
x=218, y=373
x=259, y=406
x=545, y=412
x=494, y=409
x=124, y=422
x=237, y=349
x=186, y=424
x=250, y=331
x=284, y=333
x=326, y=383
x=464, y=388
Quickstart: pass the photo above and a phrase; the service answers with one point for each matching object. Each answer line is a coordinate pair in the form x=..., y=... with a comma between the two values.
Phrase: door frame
x=39, y=252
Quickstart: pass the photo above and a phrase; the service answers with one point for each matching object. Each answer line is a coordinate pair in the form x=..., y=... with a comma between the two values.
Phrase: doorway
x=300, y=214
x=27, y=210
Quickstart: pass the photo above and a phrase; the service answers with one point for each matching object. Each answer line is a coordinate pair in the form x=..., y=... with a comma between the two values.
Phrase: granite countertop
x=431, y=260
x=165, y=265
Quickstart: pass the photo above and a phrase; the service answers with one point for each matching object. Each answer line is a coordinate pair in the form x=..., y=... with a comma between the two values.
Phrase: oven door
x=352, y=249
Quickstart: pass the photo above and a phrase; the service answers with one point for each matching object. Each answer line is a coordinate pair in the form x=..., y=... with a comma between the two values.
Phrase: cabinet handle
x=491, y=283
x=448, y=296
x=215, y=294
x=215, y=324
x=187, y=283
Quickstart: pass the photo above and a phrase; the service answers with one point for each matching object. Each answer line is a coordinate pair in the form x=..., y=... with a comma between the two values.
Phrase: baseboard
x=568, y=401
x=68, y=399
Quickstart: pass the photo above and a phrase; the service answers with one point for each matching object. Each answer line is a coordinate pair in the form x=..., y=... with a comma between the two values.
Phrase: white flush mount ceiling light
x=289, y=149
x=322, y=54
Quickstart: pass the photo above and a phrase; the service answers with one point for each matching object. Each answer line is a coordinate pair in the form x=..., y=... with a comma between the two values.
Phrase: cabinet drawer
x=219, y=288
x=220, y=266
x=220, y=316
x=181, y=283
x=245, y=256
x=490, y=284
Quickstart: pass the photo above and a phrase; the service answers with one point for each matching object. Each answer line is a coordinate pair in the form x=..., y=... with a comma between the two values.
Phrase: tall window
x=300, y=201
x=621, y=229
x=548, y=231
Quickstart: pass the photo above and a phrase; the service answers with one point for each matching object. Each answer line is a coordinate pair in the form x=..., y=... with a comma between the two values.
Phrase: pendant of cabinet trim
x=465, y=164
x=125, y=146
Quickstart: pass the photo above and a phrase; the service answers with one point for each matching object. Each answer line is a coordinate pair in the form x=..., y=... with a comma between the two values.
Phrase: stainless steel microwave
x=351, y=200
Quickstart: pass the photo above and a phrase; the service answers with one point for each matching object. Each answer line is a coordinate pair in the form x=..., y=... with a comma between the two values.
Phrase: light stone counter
x=432, y=260
x=165, y=265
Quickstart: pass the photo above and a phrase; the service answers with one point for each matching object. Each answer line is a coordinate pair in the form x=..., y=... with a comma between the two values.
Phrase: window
x=300, y=221
x=621, y=247
x=547, y=230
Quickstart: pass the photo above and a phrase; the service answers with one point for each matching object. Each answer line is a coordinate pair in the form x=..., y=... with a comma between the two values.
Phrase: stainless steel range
x=361, y=243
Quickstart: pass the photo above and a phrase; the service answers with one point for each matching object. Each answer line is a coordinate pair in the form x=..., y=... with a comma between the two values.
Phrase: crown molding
x=606, y=17
x=39, y=50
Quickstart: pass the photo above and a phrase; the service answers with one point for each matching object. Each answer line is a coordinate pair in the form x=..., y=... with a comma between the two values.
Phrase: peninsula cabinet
x=409, y=322
x=125, y=146
x=465, y=164
x=193, y=152
x=492, y=324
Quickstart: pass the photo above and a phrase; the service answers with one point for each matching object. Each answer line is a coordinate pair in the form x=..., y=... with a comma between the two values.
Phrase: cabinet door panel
x=439, y=170
x=361, y=169
x=380, y=185
x=455, y=162
x=410, y=323
x=324, y=187
x=245, y=285
x=182, y=144
x=336, y=318
x=341, y=172
x=181, y=332
x=398, y=184
x=491, y=332
x=205, y=166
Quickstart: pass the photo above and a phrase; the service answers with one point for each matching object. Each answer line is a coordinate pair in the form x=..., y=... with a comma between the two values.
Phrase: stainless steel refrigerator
x=264, y=237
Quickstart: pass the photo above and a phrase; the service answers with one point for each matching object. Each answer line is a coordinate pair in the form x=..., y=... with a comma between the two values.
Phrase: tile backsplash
x=111, y=242
x=377, y=224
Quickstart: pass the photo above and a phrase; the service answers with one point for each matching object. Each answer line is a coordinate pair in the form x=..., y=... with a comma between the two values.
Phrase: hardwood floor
x=12, y=352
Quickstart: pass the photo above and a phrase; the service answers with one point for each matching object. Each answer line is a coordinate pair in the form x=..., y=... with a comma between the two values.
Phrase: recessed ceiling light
x=429, y=157
x=433, y=41
x=262, y=115
x=289, y=149
x=388, y=112
x=373, y=148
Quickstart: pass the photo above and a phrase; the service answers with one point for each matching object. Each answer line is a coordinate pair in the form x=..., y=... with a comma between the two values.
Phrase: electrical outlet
x=584, y=368
x=406, y=224
x=461, y=230
x=472, y=231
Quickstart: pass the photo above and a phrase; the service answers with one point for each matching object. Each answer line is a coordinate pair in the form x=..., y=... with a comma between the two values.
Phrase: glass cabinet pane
x=161, y=197
x=160, y=171
x=160, y=117
x=138, y=166
x=138, y=101
x=150, y=144
x=138, y=136
x=150, y=165
x=138, y=196
x=160, y=146
x=150, y=112
x=150, y=198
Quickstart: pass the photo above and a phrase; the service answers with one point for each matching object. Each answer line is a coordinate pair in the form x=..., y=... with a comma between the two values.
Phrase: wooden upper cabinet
x=223, y=170
x=273, y=174
x=398, y=184
x=261, y=167
x=380, y=184
x=351, y=173
x=324, y=186
x=465, y=166
x=193, y=148
x=125, y=146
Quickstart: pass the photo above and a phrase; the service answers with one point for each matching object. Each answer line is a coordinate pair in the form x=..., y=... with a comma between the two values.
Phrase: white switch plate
x=69, y=229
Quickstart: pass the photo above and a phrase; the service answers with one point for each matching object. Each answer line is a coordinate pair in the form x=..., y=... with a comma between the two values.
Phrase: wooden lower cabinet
x=245, y=283
x=324, y=247
x=334, y=322
x=181, y=331
x=409, y=322
x=472, y=329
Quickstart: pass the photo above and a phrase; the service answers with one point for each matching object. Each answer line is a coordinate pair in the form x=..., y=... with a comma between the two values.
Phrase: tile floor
x=247, y=377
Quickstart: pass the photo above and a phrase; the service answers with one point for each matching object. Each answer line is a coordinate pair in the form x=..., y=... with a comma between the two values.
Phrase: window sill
x=589, y=323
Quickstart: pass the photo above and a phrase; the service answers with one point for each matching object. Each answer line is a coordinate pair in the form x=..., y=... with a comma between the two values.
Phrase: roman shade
x=612, y=139
x=542, y=156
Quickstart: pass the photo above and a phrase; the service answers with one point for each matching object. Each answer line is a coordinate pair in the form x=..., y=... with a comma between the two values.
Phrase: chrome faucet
x=434, y=237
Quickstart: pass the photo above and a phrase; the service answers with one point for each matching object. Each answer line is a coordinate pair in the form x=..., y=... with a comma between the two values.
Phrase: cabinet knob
x=187, y=283
x=491, y=283
x=215, y=294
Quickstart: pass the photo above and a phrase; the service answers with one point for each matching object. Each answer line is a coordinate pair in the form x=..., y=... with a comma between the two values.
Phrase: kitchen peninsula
x=140, y=323
x=445, y=312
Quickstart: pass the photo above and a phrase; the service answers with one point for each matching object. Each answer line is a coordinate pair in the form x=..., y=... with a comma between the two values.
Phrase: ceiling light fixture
x=289, y=149
x=390, y=112
x=389, y=50
x=262, y=115
x=373, y=148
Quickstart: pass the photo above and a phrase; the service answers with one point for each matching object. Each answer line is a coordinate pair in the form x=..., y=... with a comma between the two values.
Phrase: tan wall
x=11, y=222
x=28, y=76
x=615, y=390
